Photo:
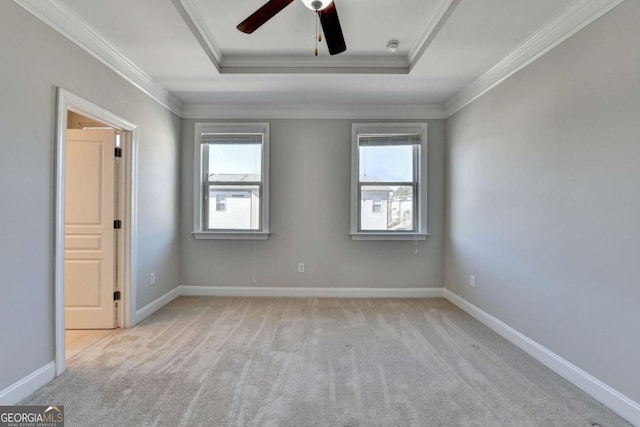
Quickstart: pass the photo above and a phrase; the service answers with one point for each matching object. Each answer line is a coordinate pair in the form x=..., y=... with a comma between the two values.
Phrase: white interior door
x=89, y=234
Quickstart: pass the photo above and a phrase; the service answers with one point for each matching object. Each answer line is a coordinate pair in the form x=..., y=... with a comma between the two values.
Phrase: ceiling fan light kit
x=327, y=13
x=317, y=5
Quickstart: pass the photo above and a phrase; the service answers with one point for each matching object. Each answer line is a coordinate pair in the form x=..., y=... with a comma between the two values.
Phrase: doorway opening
x=92, y=195
x=94, y=225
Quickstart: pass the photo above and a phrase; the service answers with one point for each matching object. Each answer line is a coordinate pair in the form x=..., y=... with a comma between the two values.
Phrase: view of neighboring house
x=234, y=204
x=374, y=207
x=384, y=208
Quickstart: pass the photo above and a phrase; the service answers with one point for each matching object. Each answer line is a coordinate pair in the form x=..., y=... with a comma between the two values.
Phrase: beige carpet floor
x=314, y=362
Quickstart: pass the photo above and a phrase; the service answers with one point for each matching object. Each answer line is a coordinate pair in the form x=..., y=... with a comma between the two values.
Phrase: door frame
x=127, y=251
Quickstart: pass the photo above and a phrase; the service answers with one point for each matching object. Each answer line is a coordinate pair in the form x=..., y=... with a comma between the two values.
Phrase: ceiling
x=188, y=55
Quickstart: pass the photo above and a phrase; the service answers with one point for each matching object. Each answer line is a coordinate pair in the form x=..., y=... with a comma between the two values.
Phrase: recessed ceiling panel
x=367, y=27
x=286, y=43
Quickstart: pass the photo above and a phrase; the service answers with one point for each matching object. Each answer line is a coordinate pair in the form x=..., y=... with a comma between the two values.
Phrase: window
x=221, y=202
x=376, y=207
x=388, y=174
x=231, y=181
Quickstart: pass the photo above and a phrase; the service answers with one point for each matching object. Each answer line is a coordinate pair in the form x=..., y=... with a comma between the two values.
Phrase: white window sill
x=231, y=235
x=389, y=236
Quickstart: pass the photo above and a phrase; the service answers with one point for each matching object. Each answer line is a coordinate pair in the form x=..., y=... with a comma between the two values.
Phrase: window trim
x=420, y=170
x=199, y=231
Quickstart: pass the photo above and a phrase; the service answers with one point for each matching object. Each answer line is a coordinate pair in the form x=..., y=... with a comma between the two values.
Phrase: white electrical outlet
x=472, y=281
x=301, y=267
x=152, y=279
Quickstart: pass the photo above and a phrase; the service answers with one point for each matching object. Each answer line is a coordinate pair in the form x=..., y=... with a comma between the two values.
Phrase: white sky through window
x=386, y=163
x=235, y=159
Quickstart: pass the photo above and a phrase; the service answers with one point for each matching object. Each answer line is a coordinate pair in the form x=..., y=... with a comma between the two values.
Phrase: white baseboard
x=156, y=305
x=299, y=292
x=28, y=385
x=292, y=292
x=609, y=397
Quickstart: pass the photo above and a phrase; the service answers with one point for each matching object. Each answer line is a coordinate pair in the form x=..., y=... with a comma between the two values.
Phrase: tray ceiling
x=288, y=39
x=189, y=56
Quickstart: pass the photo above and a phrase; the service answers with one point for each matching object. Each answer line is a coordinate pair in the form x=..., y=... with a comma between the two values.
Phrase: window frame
x=419, y=182
x=202, y=183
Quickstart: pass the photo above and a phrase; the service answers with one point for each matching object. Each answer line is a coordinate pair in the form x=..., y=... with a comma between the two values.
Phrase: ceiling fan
x=327, y=13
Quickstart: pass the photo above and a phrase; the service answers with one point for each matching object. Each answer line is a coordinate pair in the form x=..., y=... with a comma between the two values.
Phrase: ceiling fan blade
x=332, y=29
x=262, y=15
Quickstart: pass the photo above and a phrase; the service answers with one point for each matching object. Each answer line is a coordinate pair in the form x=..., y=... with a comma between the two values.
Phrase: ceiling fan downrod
x=318, y=37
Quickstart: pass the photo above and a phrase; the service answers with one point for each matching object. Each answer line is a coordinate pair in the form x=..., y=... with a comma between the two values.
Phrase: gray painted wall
x=310, y=190
x=543, y=200
x=35, y=59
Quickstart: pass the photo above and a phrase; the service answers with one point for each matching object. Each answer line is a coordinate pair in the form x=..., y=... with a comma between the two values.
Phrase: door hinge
x=117, y=224
x=118, y=152
x=117, y=296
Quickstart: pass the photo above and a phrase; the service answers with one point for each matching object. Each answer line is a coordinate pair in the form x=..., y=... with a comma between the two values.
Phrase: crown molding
x=314, y=111
x=306, y=65
x=68, y=23
x=443, y=11
x=194, y=20
x=575, y=17
x=292, y=69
